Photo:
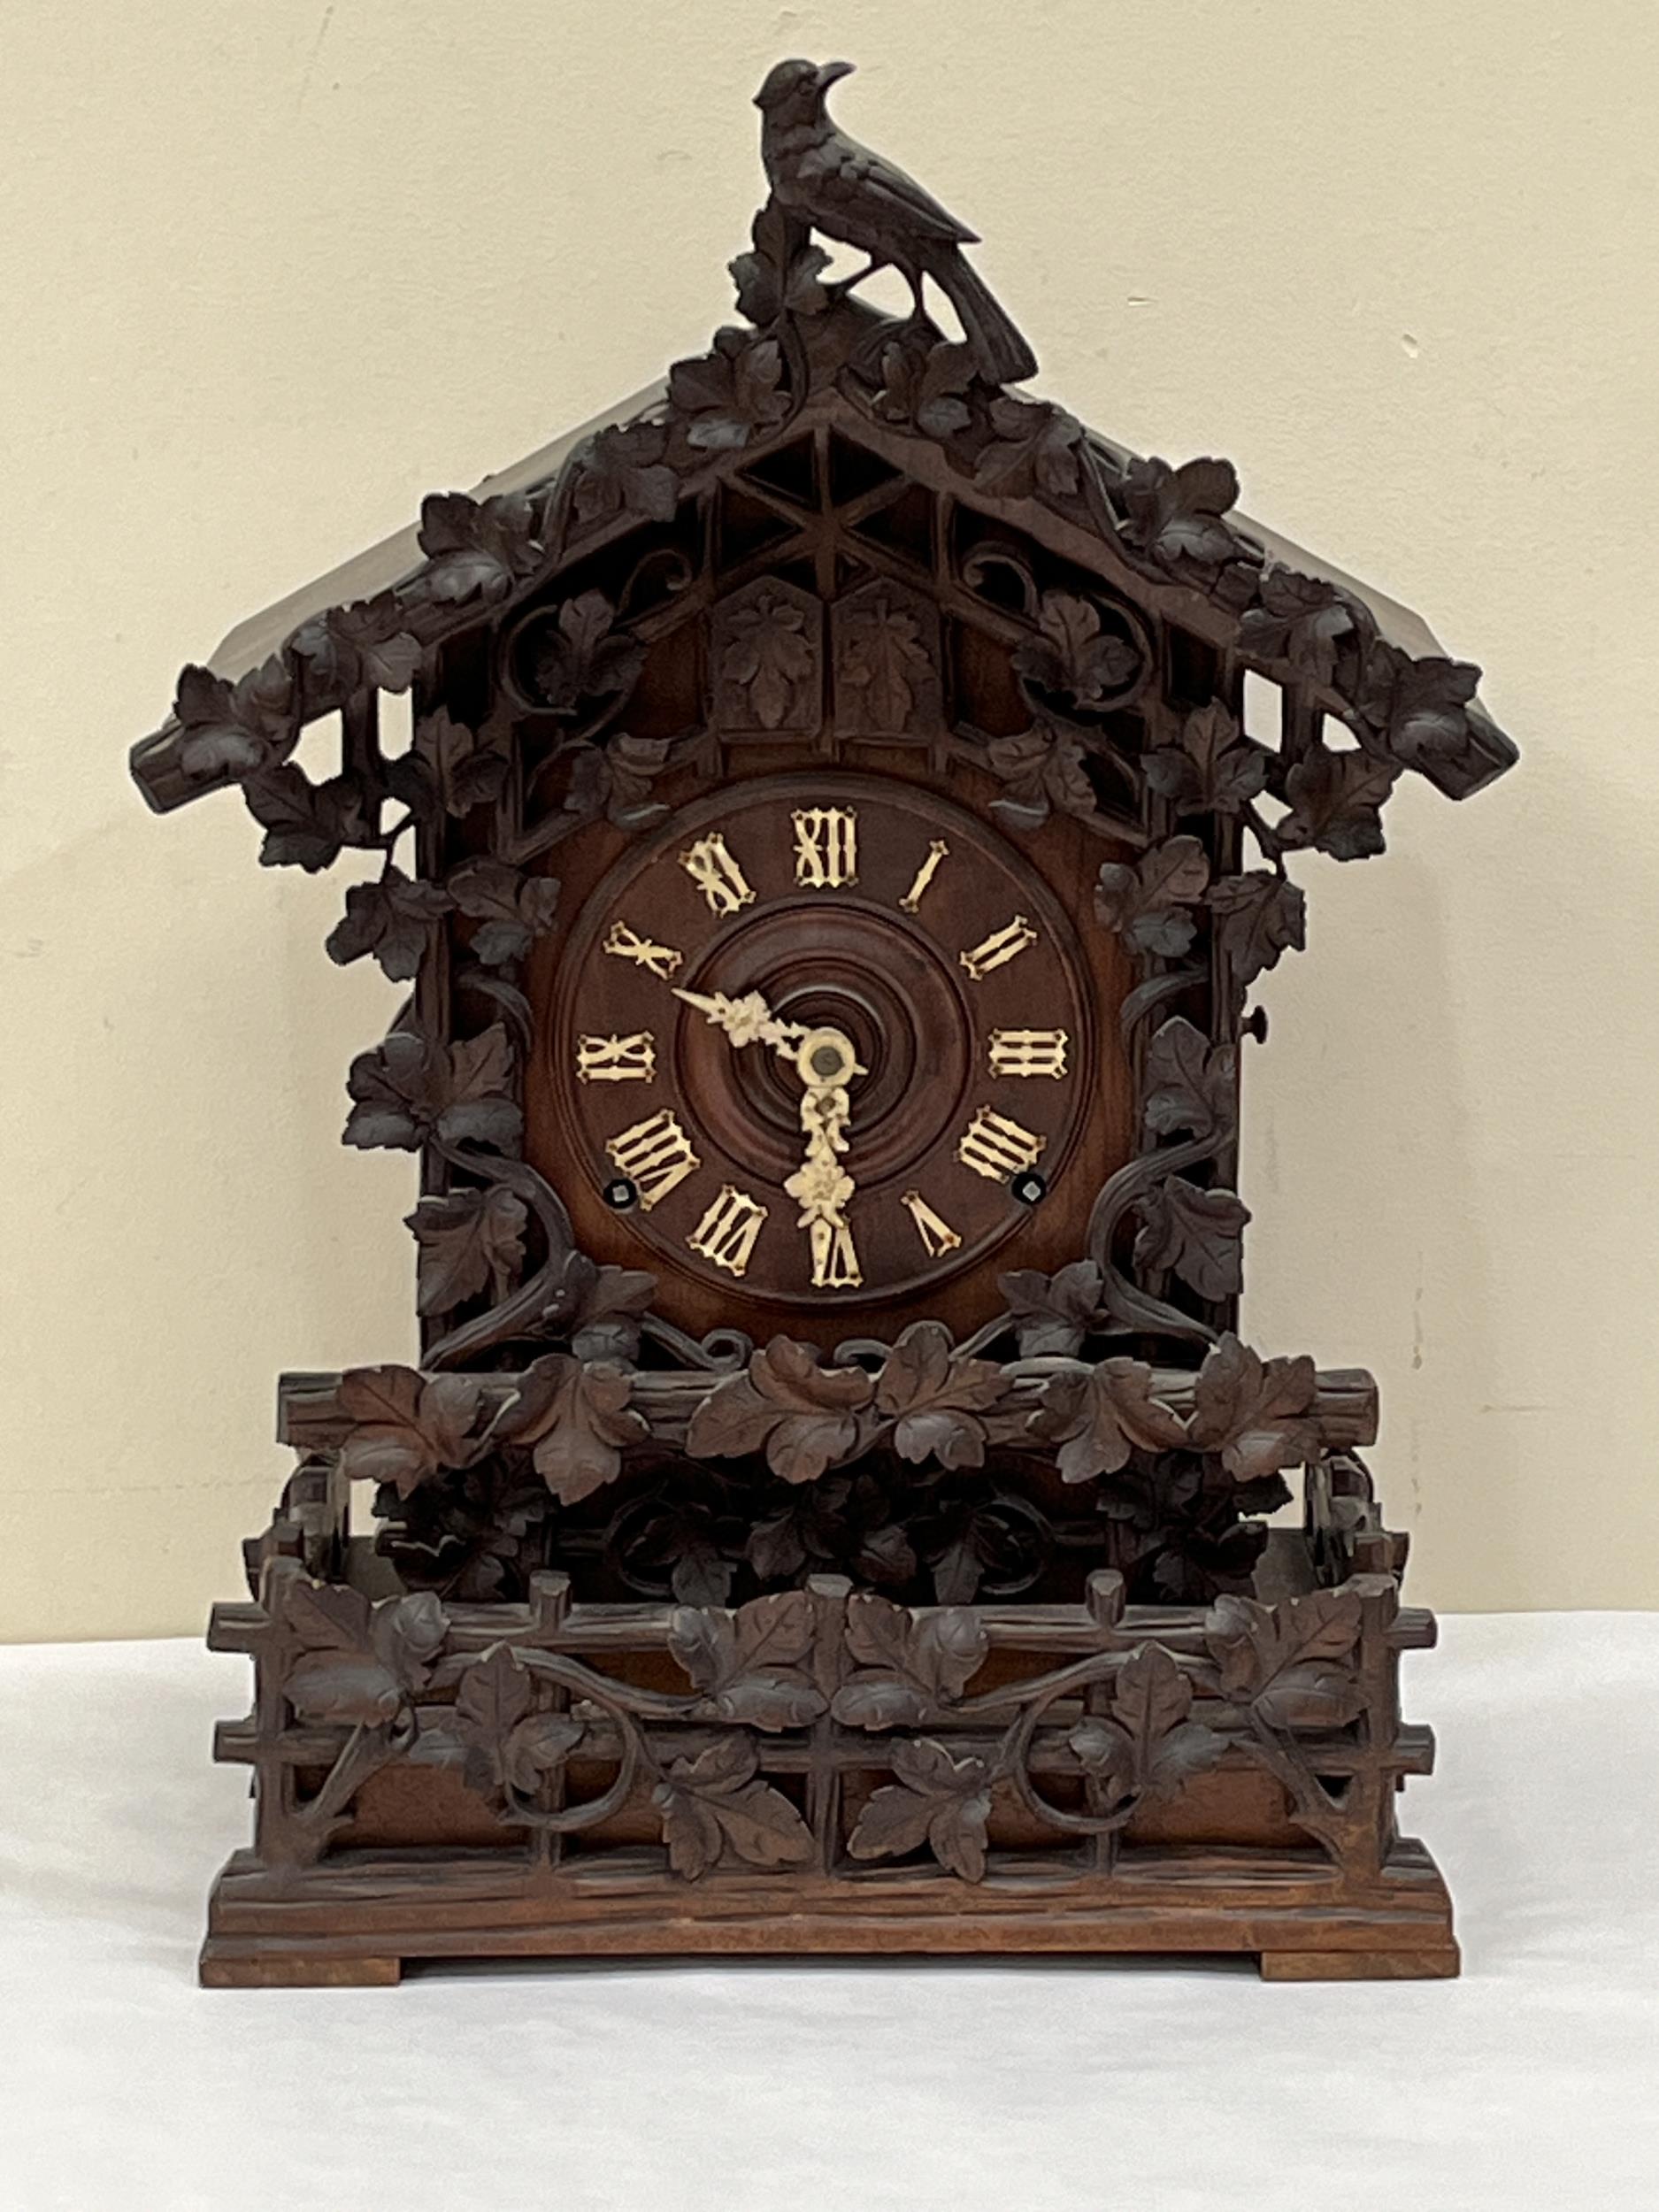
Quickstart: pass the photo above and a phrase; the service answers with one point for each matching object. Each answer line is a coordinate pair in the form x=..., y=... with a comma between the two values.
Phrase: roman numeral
x=999, y=949
x=655, y=1155
x=835, y=1260
x=717, y=875
x=826, y=848
x=996, y=1147
x=924, y=875
x=616, y=1059
x=662, y=960
x=727, y=1234
x=1027, y=1052
x=937, y=1236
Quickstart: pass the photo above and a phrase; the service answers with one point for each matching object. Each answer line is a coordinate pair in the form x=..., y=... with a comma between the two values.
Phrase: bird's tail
x=999, y=353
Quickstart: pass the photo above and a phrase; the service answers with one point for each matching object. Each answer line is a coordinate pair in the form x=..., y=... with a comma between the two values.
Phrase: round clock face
x=828, y=1038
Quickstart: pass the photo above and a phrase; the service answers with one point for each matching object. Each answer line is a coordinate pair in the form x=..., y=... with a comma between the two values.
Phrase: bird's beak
x=832, y=72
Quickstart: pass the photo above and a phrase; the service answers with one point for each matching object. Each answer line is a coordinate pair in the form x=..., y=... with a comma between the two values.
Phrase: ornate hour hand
x=821, y=1186
x=747, y=1021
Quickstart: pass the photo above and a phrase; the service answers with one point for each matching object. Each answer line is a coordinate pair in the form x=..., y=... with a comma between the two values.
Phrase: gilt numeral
x=1025, y=1052
x=616, y=1059
x=655, y=1155
x=996, y=1147
x=717, y=875
x=835, y=1260
x=662, y=960
x=1001, y=947
x=924, y=875
x=826, y=847
x=937, y=1236
x=727, y=1234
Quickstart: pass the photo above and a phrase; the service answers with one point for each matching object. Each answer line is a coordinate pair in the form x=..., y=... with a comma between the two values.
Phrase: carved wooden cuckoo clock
x=830, y=871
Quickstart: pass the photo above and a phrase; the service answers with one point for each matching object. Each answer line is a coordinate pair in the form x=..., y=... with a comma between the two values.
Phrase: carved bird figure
x=831, y=182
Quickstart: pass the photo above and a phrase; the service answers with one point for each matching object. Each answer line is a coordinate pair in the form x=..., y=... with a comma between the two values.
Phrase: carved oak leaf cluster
x=412, y=1089
x=1146, y=1744
x=750, y=1664
x=577, y=1419
x=803, y=1416
x=935, y=1400
x=715, y=1804
x=935, y=1799
x=358, y=1664
x=780, y=274
x=1148, y=904
x=1213, y=770
x=470, y=1241
x=624, y=470
x=232, y=729
x=910, y=1664
x=476, y=549
x=405, y=1427
x=1291, y=1663
x=730, y=396
x=511, y=1747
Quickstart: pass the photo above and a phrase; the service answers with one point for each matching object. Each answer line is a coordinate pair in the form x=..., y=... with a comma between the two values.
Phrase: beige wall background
x=271, y=274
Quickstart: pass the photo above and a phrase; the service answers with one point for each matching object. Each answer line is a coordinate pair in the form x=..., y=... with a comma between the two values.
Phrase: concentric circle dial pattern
x=831, y=1032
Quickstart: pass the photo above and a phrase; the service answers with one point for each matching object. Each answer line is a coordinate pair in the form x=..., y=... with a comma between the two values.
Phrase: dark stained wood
x=830, y=1511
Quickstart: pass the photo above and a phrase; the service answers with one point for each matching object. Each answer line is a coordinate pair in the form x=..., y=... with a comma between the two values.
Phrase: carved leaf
x=469, y=1241
x=618, y=777
x=715, y=1804
x=624, y=472
x=1416, y=706
x=359, y=1662
x=1042, y=768
x=804, y=1416
x=882, y=655
x=926, y=387
x=1302, y=620
x=1198, y=1232
x=936, y=1799
x=472, y=765
x=1100, y=1415
x=475, y=550
x=507, y=1742
x=731, y=395
x=1294, y=1660
x=232, y=729
x=1190, y=1083
x=388, y=655
x=1072, y=656
x=305, y=824
x=1034, y=450
x=599, y=1308
x=934, y=1399
x=583, y=656
x=393, y=920
x=1147, y=904
x=1336, y=801
x=767, y=656
x=1176, y=514
x=406, y=1426
x=579, y=1416
x=411, y=1088
x=1258, y=916
x=1257, y=1413
x=909, y=1664
x=1212, y=770
x=780, y=275
x=748, y=1662
x=510, y=907
x=1054, y=1312
x=1147, y=1746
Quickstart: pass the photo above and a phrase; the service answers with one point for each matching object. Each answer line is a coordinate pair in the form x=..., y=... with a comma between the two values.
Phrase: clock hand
x=747, y=1021
x=821, y=1184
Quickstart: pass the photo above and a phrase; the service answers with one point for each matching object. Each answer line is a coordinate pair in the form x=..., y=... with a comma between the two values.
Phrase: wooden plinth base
x=358, y=1922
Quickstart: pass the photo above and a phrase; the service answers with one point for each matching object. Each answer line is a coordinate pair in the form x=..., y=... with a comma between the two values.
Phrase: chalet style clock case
x=830, y=872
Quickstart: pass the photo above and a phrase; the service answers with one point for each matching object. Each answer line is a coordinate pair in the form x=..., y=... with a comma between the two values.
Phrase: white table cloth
x=1032, y=2087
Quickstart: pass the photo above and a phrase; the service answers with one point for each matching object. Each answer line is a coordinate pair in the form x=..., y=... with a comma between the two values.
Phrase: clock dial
x=823, y=1041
